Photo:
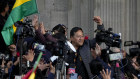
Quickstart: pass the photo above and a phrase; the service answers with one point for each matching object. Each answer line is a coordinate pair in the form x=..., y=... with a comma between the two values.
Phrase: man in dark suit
x=83, y=55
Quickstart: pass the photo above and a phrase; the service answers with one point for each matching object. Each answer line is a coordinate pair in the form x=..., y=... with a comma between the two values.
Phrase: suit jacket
x=86, y=53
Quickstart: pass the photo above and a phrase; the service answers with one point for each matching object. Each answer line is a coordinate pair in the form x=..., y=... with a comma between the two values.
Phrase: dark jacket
x=86, y=53
x=46, y=39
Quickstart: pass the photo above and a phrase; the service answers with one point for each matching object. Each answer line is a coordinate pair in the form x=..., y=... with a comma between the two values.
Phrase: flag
x=28, y=74
x=21, y=9
x=31, y=73
x=32, y=76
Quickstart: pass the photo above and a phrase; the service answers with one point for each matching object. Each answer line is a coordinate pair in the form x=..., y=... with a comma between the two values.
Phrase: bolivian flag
x=32, y=76
x=21, y=9
x=31, y=73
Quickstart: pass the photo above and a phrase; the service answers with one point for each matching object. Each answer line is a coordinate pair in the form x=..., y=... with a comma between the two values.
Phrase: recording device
x=53, y=59
x=70, y=46
x=4, y=56
x=133, y=51
x=62, y=46
x=130, y=43
x=115, y=56
x=66, y=47
x=25, y=29
x=39, y=47
x=59, y=48
x=62, y=49
x=109, y=38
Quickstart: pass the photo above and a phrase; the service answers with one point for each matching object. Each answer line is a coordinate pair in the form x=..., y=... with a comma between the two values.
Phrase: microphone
x=71, y=46
x=118, y=73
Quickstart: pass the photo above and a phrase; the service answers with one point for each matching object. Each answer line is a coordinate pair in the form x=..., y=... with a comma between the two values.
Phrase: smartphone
x=115, y=56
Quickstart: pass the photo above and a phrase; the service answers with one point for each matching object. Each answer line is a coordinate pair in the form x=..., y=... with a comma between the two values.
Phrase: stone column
x=59, y=13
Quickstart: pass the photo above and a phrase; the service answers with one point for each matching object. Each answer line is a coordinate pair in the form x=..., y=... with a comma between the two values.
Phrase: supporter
x=83, y=55
x=97, y=64
x=13, y=63
x=106, y=75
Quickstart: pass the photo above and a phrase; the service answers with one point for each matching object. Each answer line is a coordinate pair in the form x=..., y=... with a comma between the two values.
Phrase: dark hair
x=3, y=4
x=60, y=37
x=75, y=29
x=60, y=28
x=96, y=67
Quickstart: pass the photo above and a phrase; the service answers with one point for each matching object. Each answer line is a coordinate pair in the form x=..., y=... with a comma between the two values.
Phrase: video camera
x=4, y=56
x=39, y=47
x=25, y=28
x=111, y=39
x=60, y=47
x=133, y=51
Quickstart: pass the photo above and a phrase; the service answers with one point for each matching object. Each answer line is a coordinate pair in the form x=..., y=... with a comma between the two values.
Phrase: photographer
x=132, y=61
x=12, y=65
x=60, y=28
x=4, y=70
x=126, y=66
x=45, y=38
x=97, y=64
x=43, y=67
x=31, y=56
x=41, y=35
x=41, y=71
x=136, y=65
x=83, y=55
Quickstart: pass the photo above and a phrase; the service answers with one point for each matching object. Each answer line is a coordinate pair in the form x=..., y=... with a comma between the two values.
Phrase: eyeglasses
x=79, y=36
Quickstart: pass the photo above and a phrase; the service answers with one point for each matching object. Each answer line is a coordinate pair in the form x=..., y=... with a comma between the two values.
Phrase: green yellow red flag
x=21, y=9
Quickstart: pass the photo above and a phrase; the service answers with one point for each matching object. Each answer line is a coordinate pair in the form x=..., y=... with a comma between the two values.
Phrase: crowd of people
x=89, y=61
